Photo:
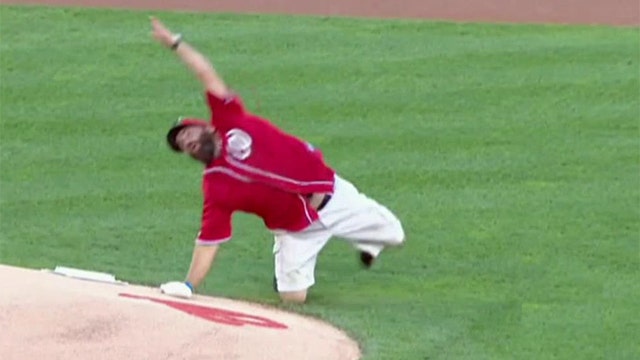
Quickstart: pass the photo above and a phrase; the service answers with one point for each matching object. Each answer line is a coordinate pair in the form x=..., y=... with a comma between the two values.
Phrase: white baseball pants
x=350, y=215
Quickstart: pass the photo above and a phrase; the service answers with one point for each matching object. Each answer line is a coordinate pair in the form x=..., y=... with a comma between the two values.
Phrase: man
x=254, y=167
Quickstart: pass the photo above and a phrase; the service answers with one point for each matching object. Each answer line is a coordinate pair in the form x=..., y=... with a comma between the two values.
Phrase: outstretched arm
x=203, y=256
x=194, y=60
x=201, y=261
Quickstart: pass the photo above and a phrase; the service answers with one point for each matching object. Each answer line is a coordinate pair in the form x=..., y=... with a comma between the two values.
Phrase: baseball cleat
x=366, y=259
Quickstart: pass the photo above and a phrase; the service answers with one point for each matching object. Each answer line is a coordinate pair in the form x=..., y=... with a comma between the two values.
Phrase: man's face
x=198, y=142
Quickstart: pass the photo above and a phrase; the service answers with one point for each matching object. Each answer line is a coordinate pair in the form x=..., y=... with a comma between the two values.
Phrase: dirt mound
x=49, y=316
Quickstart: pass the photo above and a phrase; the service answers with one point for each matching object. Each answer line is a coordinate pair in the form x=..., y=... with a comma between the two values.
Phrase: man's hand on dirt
x=177, y=289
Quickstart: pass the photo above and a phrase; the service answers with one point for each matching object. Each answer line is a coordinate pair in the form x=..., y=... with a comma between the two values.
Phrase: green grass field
x=511, y=153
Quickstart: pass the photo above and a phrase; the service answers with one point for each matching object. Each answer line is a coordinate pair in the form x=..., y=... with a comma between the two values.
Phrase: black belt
x=323, y=203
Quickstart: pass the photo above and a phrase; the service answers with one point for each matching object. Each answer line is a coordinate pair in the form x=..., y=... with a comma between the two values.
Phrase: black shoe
x=366, y=259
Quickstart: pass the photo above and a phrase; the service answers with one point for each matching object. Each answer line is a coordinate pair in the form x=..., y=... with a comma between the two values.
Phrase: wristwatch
x=177, y=39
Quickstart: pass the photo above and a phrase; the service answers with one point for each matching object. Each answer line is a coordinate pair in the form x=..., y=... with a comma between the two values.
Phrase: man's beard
x=207, y=151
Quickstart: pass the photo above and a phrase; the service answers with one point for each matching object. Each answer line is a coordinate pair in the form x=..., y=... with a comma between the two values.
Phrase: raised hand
x=162, y=34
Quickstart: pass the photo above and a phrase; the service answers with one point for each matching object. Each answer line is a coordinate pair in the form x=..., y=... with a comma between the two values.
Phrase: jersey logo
x=238, y=144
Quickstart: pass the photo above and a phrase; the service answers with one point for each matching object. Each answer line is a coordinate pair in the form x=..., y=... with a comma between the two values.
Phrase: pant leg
x=355, y=217
x=295, y=256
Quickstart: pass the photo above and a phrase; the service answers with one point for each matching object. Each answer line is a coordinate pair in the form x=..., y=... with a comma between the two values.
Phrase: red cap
x=179, y=125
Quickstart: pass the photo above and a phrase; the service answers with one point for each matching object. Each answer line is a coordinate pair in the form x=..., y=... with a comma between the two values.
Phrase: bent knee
x=397, y=234
x=393, y=230
x=294, y=297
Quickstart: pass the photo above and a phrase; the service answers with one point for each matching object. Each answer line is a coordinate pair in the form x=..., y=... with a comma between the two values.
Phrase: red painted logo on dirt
x=212, y=314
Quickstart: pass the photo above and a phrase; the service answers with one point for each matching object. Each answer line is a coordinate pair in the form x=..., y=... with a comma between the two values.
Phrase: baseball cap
x=179, y=125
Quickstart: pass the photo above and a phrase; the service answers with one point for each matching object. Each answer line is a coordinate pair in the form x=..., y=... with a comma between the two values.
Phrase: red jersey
x=261, y=170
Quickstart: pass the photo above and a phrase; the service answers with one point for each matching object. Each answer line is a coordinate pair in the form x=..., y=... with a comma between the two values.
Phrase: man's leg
x=295, y=256
x=368, y=225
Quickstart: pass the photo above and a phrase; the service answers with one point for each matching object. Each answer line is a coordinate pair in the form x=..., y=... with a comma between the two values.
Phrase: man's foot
x=366, y=259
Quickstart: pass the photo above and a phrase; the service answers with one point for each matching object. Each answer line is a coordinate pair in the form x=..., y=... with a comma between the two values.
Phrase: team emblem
x=238, y=144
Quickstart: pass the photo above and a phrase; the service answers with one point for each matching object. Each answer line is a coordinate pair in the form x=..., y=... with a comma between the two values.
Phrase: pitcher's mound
x=48, y=316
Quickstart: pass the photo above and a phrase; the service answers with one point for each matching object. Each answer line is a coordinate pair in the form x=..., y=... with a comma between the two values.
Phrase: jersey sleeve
x=216, y=225
x=224, y=108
